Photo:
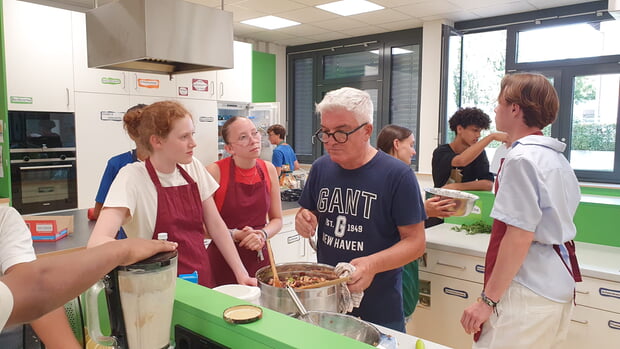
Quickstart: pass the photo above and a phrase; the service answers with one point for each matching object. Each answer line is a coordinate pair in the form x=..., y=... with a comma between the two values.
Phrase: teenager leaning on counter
x=248, y=199
x=530, y=266
x=171, y=192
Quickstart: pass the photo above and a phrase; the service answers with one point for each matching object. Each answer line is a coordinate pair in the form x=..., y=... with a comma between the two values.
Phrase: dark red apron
x=498, y=231
x=179, y=213
x=244, y=205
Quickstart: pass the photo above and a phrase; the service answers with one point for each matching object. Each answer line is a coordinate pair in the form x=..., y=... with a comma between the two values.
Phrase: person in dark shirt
x=463, y=163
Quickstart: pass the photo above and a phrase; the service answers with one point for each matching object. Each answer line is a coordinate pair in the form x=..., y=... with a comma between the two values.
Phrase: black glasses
x=338, y=136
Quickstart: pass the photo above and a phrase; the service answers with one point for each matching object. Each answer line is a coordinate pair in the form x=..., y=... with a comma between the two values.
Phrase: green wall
x=263, y=77
x=5, y=180
x=596, y=222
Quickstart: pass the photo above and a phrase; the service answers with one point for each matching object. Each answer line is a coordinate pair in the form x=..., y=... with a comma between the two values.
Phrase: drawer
x=600, y=294
x=456, y=265
x=593, y=328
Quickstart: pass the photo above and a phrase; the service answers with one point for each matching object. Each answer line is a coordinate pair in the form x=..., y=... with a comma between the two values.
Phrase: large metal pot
x=345, y=325
x=320, y=299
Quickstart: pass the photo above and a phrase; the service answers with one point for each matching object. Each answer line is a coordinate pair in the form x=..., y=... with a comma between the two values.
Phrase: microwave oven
x=42, y=130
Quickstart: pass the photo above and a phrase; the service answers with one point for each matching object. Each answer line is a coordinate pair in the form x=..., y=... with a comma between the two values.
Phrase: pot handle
x=92, y=316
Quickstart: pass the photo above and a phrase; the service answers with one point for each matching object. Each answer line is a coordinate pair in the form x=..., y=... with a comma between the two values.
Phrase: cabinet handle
x=221, y=89
x=124, y=80
x=135, y=85
x=608, y=292
x=68, y=102
x=450, y=265
x=212, y=88
x=582, y=292
x=455, y=292
x=583, y=322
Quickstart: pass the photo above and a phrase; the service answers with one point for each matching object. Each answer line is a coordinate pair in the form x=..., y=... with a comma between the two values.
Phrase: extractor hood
x=159, y=36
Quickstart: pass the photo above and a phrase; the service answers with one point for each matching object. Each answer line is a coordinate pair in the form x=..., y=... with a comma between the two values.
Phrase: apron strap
x=574, y=265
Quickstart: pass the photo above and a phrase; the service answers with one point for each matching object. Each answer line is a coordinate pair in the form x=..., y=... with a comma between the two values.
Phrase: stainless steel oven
x=43, y=181
x=42, y=149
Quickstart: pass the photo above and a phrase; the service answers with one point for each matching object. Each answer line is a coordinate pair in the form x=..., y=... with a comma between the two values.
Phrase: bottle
x=162, y=236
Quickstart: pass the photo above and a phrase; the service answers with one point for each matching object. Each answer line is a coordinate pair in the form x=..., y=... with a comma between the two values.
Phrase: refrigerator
x=262, y=114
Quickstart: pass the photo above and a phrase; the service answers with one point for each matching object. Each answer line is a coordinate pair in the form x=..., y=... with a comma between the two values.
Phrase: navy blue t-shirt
x=359, y=212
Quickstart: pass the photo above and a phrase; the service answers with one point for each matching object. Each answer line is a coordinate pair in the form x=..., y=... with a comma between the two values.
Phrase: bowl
x=464, y=201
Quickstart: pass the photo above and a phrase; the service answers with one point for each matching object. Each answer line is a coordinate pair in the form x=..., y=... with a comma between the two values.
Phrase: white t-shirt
x=133, y=188
x=15, y=240
x=6, y=304
x=15, y=247
x=539, y=192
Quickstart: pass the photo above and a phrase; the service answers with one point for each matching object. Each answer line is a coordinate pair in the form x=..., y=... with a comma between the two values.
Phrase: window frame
x=384, y=43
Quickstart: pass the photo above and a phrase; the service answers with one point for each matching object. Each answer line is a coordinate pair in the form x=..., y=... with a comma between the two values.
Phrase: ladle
x=274, y=271
x=296, y=300
x=303, y=313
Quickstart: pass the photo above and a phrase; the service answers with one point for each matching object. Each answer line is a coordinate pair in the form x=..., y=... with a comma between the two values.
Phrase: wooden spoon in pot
x=325, y=283
x=274, y=271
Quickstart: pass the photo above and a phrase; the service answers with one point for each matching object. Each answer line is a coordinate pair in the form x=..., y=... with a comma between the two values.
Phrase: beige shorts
x=526, y=320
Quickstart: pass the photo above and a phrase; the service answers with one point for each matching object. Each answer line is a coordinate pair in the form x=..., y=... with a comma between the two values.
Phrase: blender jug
x=139, y=298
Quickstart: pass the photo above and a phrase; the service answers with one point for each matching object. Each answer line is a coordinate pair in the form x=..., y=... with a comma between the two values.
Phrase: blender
x=139, y=298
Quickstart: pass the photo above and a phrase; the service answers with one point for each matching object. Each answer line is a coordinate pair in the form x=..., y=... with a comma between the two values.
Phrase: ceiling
x=318, y=25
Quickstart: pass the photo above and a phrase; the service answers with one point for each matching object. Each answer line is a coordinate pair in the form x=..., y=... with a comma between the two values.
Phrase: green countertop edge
x=200, y=309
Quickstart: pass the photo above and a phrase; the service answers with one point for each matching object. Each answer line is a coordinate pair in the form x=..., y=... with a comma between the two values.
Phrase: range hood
x=159, y=36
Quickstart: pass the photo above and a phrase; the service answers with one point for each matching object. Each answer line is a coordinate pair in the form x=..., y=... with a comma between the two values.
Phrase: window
x=578, y=40
x=387, y=66
x=578, y=52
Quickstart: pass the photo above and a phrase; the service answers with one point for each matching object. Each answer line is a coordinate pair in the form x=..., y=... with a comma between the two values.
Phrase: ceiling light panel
x=350, y=7
x=270, y=22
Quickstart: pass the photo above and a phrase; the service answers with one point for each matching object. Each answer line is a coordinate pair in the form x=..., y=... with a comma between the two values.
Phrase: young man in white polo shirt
x=530, y=266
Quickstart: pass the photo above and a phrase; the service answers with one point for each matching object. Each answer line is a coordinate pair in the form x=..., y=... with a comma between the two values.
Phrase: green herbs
x=478, y=227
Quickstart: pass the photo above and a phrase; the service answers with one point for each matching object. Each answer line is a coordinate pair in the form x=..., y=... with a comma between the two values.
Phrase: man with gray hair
x=365, y=207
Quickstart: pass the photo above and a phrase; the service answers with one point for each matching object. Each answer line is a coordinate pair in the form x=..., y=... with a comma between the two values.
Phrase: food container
x=247, y=293
x=464, y=201
x=276, y=298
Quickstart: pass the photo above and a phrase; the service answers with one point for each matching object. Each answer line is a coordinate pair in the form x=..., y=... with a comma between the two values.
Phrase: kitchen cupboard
x=595, y=322
x=449, y=282
x=290, y=247
x=93, y=79
x=234, y=85
x=39, y=63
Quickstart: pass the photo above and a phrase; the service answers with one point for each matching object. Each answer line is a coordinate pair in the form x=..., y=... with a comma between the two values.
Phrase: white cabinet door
x=39, y=63
x=93, y=79
x=593, y=328
x=198, y=85
x=438, y=320
x=205, y=121
x=287, y=245
x=99, y=136
x=236, y=84
x=157, y=85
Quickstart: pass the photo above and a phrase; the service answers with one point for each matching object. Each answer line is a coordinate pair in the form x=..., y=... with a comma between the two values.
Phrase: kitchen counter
x=200, y=309
x=597, y=261
x=82, y=227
